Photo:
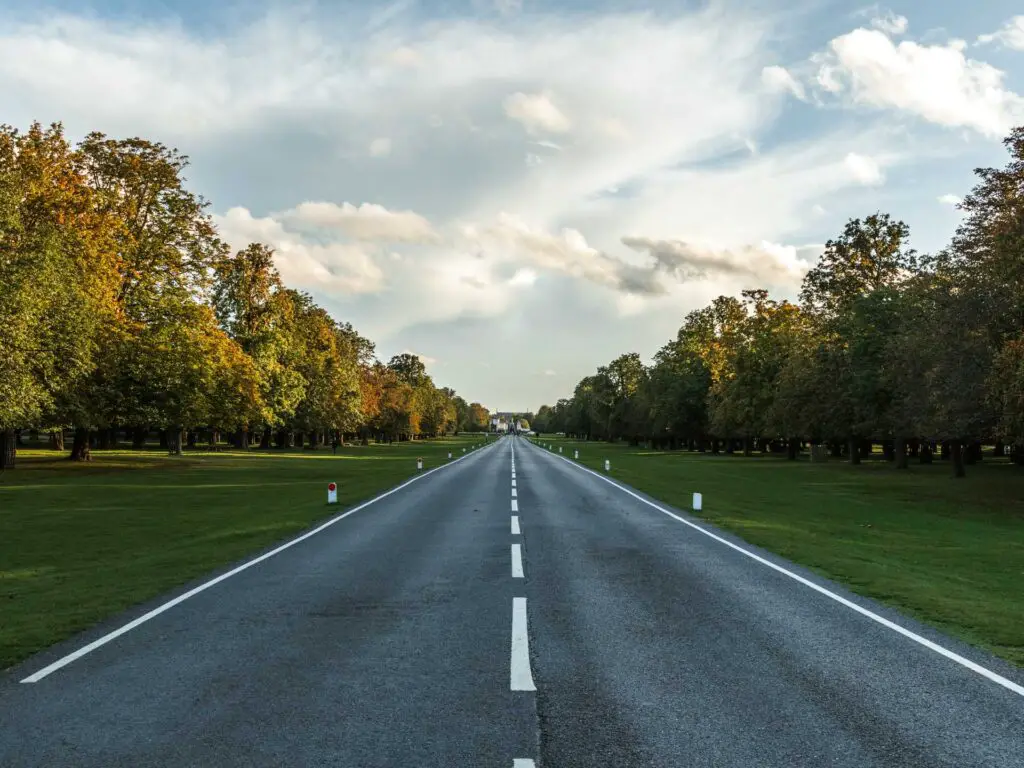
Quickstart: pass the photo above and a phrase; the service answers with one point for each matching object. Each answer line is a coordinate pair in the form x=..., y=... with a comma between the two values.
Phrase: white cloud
x=380, y=147
x=778, y=79
x=950, y=200
x=864, y=169
x=344, y=268
x=536, y=112
x=425, y=359
x=1011, y=35
x=368, y=221
x=523, y=277
x=890, y=23
x=935, y=82
x=774, y=264
x=549, y=372
x=511, y=239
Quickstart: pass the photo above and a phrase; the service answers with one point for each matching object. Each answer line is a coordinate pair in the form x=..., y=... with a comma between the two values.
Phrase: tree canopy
x=918, y=353
x=122, y=311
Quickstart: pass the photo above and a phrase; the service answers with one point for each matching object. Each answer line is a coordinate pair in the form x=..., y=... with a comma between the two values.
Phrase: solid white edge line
x=517, y=562
x=522, y=762
x=515, y=505
x=521, y=678
x=515, y=525
x=951, y=655
x=90, y=647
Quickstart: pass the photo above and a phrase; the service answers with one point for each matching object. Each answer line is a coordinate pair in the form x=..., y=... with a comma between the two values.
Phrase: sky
x=519, y=191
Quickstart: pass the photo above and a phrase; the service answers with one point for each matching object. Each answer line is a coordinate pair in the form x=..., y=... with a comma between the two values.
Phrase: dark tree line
x=918, y=353
x=122, y=313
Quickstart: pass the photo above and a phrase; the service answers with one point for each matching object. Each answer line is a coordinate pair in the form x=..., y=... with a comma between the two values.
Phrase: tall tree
x=57, y=277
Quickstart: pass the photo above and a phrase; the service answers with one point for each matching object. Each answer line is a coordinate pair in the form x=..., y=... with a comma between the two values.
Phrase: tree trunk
x=80, y=446
x=192, y=438
x=1017, y=454
x=747, y=451
x=139, y=435
x=214, y=437
x=8, y=449
x=956, y=449
x=792, y=448
x=889, y=450
x=243, y=439
x=925, y=453
x=900, y=448
x=854, y=450
x=174, y=441
x=265, y=438
x=163, y=438
x=835, y=449
x=57, y=440
x=999, y=450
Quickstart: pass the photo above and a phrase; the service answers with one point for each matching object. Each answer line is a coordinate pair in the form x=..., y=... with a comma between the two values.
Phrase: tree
x=57, y=277
x=869, y=255
x=408, y=368
x=479, y=417
x=251, y=306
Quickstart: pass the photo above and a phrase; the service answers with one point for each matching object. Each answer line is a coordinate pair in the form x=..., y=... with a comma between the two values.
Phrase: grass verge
x=948, y=552
x=79, y=542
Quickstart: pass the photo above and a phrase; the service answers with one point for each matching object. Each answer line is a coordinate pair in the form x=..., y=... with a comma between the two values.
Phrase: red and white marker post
x=332, y=493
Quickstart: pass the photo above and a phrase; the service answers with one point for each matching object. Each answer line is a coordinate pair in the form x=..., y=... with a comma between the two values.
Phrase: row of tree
x=884, y=346
x=122, y=312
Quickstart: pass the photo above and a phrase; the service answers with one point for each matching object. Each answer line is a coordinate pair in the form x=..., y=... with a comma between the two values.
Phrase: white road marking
x=517, y=562
x=86, y=649
x=515, y=505
x=514, y=493
x=515, y=525
x=513, y=475
x=521, y=677
x=513, y=482
x=952, y=656
x=522, y=762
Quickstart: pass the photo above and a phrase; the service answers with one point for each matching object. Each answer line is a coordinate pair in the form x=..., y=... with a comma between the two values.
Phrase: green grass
x=79, y=542
x=949, y=552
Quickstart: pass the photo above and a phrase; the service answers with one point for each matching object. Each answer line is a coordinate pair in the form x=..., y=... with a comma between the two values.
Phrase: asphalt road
x=566, y=622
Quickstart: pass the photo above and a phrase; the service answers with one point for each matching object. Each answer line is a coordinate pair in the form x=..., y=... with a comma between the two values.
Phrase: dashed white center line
x=522, y=762
x=513, y=482
x=515, y=525
x=515, y=505
x=514, y=493
x=517, y=562
x=521, y=676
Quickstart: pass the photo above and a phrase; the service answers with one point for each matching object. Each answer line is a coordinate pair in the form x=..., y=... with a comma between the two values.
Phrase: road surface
x=524, y=612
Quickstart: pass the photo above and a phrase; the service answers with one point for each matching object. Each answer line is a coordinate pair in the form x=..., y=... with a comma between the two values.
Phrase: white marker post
x=449, y=454
x=575, y=454
x=463, y=450
x=607, y=465
x=332, y=493
x=559, y=449
x=419, y=463
x=698, y=502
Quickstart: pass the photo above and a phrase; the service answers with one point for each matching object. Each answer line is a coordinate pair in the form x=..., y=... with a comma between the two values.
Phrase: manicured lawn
x=950, y=552
x=79, y=542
